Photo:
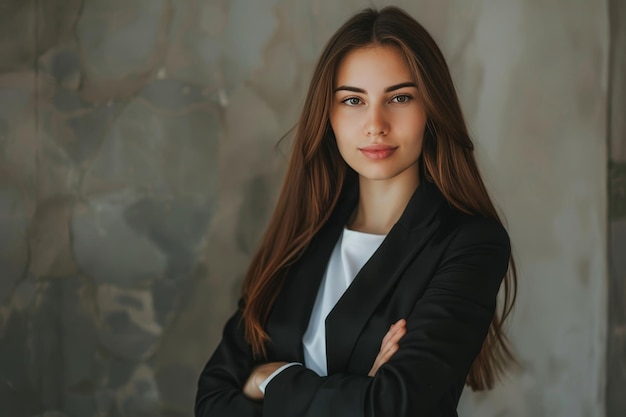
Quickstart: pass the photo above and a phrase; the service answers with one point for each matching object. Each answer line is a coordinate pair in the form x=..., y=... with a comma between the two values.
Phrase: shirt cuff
x=276, y=372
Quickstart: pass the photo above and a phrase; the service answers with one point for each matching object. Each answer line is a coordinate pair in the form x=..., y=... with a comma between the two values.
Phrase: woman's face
x=377, y=115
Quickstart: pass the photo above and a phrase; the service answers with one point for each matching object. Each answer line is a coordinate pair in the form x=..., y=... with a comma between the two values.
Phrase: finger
x=375, y=367
x=387, y=337
x=398, y=332
x=390, y=348
x=394, y=338
x=400, y=324
x=382, y=358
x=386, y=354
x=389, y=345
x=389, y=333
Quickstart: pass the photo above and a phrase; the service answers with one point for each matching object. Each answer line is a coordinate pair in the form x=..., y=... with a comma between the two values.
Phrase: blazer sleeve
x=445, y=332
x=220, y=385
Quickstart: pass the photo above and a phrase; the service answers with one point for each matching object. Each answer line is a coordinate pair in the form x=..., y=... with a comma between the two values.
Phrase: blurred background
x=139, y=163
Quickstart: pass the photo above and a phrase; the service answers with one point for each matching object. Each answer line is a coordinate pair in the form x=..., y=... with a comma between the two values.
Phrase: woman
x=373, y=292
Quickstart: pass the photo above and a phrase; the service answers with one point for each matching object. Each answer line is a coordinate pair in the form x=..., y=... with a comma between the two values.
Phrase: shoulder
x=479, y=229
x=463, y=233
x=467, y=228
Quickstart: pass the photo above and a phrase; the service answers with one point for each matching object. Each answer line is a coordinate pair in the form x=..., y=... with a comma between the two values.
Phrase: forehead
x=373, y=67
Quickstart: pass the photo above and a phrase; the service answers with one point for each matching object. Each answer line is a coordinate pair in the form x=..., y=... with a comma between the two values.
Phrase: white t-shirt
x=352, y=251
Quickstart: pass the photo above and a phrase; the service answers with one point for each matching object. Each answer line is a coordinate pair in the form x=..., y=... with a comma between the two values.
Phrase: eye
x=352, y=101
x=402, y=98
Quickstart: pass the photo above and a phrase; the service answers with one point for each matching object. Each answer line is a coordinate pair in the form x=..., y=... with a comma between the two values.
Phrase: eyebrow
x=387, y=90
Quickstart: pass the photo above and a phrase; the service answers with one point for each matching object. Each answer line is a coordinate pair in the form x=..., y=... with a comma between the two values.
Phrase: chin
x=381, y=173
x=377, y=176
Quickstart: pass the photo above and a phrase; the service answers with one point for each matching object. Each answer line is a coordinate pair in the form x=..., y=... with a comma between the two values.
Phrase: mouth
x=378, y=152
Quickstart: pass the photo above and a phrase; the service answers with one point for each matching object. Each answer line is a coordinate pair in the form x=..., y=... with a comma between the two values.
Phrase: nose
x=376, y=123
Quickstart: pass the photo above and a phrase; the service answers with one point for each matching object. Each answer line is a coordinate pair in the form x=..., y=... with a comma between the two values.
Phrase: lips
x=378, y=151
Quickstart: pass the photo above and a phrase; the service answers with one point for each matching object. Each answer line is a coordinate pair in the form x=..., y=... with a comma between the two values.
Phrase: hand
x=256, y=378
x=389, y=345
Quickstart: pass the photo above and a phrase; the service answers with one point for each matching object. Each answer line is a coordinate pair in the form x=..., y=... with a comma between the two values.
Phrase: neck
x=381, y=203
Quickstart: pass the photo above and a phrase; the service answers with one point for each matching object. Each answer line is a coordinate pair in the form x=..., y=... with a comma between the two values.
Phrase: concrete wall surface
x=616, y=351
x=139, y=166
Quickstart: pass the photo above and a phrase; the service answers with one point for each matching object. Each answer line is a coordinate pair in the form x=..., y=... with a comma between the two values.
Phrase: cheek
x=341, y=122
x=415, y=128
x=341, y=139
x=343, y=147
x=343, y=130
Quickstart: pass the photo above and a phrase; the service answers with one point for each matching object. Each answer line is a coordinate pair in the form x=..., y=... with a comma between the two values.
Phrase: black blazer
x=437, y=268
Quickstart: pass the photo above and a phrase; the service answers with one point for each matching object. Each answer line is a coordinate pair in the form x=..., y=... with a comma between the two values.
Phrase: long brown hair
x=316, y=174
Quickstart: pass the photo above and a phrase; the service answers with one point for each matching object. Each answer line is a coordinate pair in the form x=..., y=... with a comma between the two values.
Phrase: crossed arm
x=232, y=403
x=388, y=347
x=440, y=339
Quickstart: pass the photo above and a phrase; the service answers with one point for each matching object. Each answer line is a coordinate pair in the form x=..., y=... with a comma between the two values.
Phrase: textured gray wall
x=616, y=355
x=138, y=168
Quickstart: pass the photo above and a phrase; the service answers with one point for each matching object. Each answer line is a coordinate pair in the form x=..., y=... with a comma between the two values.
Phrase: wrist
x=280, y=366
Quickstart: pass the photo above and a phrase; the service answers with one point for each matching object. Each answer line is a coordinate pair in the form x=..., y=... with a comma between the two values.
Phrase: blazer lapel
x=290, y=314
x=379, y=275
